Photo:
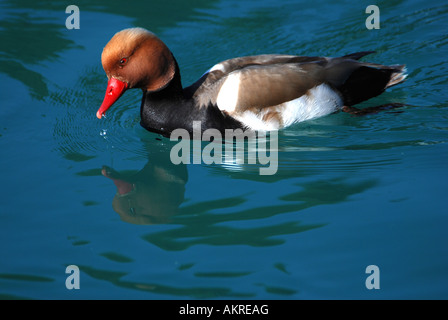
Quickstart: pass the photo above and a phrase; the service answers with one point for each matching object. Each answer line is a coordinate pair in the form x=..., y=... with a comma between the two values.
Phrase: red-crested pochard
x=263, y=92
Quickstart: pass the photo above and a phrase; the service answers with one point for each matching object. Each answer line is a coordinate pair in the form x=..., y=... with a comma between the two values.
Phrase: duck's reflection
x=150, y=196
x=155, y=195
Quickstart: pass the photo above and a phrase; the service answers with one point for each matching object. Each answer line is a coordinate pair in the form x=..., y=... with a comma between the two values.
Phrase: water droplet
x=103, y=133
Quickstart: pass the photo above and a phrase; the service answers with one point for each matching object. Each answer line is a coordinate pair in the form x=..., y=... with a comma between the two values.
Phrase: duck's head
x=135, y=58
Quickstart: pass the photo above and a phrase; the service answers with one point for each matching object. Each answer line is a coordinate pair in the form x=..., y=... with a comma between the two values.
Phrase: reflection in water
x=156, y=194
x=18, y=34
x=201, y=226
x=202, y=292
x=150, y=196
x=34, y=32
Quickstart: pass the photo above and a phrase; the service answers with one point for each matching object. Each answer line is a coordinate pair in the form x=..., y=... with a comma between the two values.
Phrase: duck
x=258, y=92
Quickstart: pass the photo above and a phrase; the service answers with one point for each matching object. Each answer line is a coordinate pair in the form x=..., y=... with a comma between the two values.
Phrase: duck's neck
x=167, y=109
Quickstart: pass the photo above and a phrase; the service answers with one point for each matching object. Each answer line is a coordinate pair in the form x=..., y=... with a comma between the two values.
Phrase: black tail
x=398, y=76
x=368, y=80
x=357, y=55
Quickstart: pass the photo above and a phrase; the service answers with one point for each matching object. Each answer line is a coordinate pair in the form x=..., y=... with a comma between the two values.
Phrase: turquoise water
x=349, y=191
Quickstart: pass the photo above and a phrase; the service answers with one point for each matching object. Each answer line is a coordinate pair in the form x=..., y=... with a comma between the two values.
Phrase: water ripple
x=80, y=134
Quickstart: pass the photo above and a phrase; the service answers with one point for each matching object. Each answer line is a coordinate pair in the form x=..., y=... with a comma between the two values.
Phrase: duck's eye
x=123, y=61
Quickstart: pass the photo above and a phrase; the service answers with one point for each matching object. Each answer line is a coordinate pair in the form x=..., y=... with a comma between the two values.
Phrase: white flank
x=320, y=101
x=256, y=122
x=227, y=99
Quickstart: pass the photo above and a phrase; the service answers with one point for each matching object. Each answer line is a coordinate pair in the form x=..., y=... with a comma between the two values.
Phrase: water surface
x=349, y=192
